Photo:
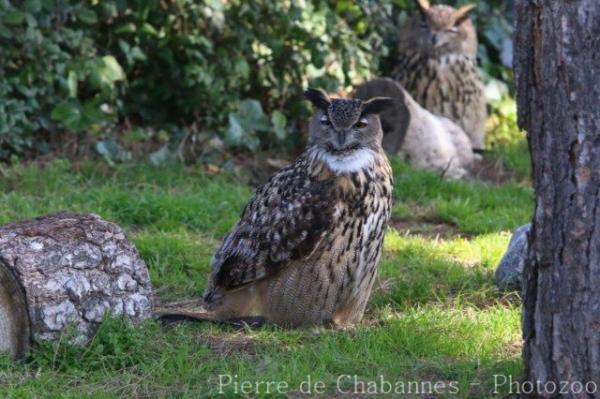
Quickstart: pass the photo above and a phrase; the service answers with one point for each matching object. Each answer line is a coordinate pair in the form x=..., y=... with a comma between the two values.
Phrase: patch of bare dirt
x=227, y=344
x=257, y=168
x=221, y=343
x=492, y=170
x=428, y=227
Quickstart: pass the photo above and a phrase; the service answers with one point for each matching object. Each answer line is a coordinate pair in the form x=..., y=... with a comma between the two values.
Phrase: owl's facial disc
x=443, y=27
x=442, y=38
x=343, y=126
x=343, y=140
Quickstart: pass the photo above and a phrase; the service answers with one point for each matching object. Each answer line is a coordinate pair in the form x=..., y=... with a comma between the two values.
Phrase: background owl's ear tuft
x=463, y=13
x=423, y=6
x=377, y=105
x=318, y=98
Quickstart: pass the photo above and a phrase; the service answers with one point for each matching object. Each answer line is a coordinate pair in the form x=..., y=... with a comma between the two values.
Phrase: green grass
x=435, y=314
x=474, y=207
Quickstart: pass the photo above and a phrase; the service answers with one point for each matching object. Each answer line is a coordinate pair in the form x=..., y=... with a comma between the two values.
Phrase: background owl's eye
x=325, y=121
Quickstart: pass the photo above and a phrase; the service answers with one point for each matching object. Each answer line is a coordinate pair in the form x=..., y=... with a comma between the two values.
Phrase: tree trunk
x=67, y=270
x=557, y=68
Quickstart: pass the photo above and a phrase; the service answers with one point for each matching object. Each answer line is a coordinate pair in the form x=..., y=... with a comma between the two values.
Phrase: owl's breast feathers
x=449, y=86
x=287, y=219
x=422, y=73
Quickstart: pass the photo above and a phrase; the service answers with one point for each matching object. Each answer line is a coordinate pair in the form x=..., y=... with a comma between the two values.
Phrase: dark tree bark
x=67, y=270
x=557, y=67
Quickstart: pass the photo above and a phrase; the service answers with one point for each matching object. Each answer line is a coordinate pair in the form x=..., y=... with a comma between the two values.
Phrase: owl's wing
x=285, y=221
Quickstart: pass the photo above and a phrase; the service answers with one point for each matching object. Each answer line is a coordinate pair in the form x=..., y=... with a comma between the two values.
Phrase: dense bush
x=116, y=72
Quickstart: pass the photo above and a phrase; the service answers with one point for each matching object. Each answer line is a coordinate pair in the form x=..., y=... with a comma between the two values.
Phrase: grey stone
x=510, y=269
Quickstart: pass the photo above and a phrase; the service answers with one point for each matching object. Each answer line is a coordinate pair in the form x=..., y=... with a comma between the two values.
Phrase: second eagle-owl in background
x=437, y=65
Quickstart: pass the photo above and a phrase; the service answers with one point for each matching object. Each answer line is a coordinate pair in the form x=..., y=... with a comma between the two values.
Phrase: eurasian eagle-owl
x=437, y=65
x=306, y=248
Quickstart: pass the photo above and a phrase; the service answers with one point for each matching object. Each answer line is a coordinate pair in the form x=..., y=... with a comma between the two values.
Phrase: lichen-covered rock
x=510, y=269
x=74, y=270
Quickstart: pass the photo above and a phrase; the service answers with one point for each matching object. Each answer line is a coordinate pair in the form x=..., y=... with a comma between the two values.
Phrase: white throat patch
x=350, y=163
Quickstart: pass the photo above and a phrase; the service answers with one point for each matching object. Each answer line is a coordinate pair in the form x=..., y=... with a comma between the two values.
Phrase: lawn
x=434, y=317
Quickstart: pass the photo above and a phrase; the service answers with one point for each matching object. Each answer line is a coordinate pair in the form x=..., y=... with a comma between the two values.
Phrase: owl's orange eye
x=361, y=123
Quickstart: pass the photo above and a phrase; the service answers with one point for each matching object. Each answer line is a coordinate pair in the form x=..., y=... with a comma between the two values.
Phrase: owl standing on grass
x=306, y=248
x=437, y=65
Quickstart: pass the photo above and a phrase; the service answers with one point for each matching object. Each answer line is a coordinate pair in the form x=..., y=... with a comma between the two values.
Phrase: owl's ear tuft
x=377, y=105
x=423, y=6
x=318, y=98
x=463, y=13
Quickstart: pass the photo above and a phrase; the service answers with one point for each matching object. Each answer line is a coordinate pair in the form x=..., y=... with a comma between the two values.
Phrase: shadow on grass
x=472, y=207
x=415, y=271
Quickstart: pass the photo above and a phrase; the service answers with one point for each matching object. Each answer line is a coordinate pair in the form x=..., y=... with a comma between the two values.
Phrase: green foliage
x=494, y=22
x=505, y=140
x=50, y=72
x=234, y=68
x=192, y=69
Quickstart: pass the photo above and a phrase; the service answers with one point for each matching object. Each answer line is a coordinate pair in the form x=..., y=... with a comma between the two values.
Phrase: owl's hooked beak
x=340, y=138
x=342, y=142
x=439, y=39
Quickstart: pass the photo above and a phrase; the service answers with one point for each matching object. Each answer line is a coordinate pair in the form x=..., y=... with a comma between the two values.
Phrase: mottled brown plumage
x=437, y=65
x=306, y=248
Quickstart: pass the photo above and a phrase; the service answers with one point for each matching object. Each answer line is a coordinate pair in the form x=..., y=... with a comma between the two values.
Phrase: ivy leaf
x=5, y=32
x=32, y=6
x=13, y=17
x=107, y=72
x=126, y=28
x=109, y=150
x=245, y=123
x=69, y=114
x=160, y=156
x=252, y=116
x=148, y=29
x=112, y=70
x=92, y=113
x=279, y=122
x=72, y=84
x=235, y=131
x=87, y=16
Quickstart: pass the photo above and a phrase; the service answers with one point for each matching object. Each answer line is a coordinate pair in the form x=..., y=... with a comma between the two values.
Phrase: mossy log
x=66, y=272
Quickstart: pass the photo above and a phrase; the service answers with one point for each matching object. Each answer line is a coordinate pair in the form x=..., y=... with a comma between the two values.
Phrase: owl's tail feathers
x=169, y=317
